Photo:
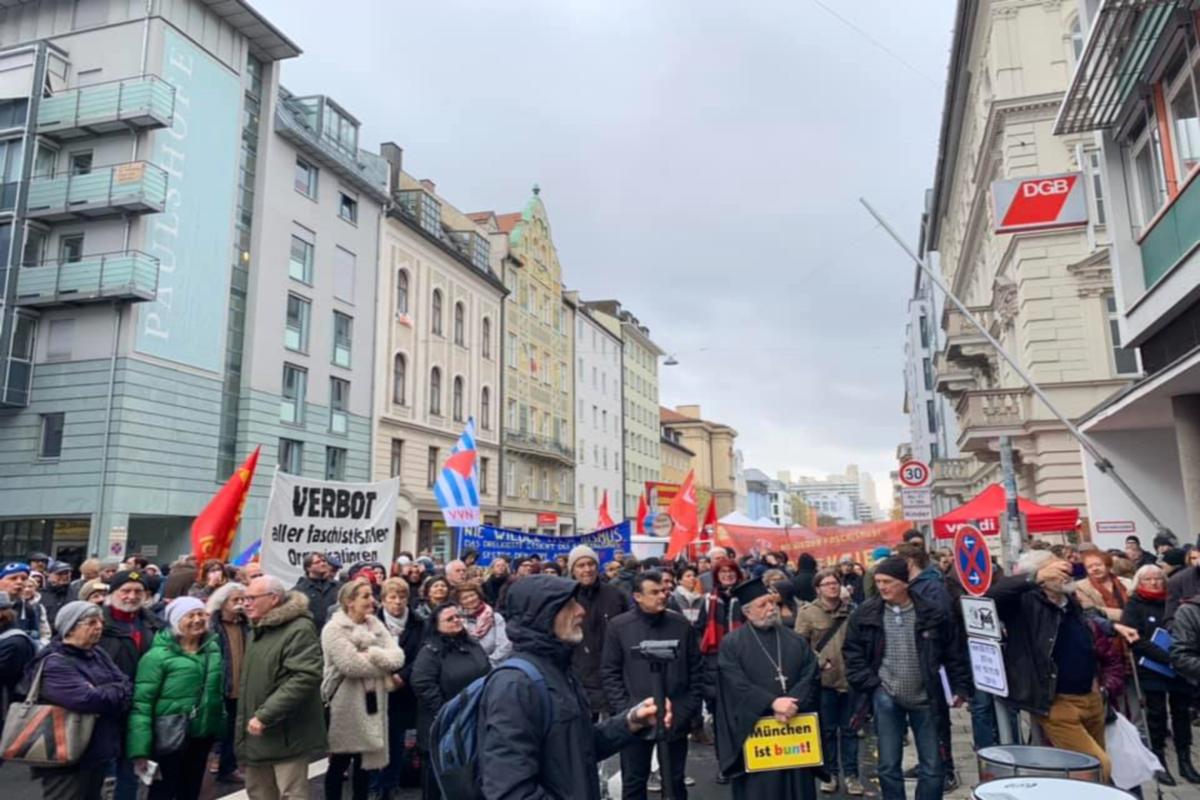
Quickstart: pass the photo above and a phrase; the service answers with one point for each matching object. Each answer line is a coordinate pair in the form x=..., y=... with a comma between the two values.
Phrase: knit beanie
x=894, y=567
x=880, y=553
x=180, y=607
x=72, y=614
x=577, y=552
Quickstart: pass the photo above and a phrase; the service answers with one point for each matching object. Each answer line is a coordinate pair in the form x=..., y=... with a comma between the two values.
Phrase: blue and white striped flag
x=457, y=487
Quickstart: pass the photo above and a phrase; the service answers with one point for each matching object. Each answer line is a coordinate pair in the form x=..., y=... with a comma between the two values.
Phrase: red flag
x=215, y=527
x=682, y=512
x=710, y=520
x=604, y=519
x=642, y=512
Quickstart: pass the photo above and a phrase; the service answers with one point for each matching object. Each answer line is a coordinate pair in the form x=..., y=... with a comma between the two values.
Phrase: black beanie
x=894, y=567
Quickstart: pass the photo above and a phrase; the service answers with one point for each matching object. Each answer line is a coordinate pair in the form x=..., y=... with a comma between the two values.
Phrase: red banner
x=826, y=545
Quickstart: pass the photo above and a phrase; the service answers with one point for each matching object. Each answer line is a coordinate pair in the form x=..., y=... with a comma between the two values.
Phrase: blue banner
x=491, y=542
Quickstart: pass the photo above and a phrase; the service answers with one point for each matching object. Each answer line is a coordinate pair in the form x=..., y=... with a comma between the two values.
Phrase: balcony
x=986, y=414
x=540, y=446
x=126, y=275
x=140, y=103
x=950, y=378
x=137, y=187
x=1175, y=235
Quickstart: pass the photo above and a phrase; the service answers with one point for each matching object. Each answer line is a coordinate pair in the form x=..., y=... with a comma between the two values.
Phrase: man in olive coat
x=280, y=721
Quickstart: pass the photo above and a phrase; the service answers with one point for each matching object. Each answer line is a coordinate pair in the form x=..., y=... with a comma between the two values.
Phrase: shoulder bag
x=171, y=730
x=44, y=735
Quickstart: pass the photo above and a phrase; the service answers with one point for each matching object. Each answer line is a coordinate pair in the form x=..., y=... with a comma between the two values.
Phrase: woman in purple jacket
x=81, y=677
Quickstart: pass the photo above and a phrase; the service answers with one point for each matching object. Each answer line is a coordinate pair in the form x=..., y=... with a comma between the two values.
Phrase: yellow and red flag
x=215, y=527
x=685, y=527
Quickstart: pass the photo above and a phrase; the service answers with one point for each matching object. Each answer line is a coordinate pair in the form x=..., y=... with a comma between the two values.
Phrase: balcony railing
x=542, y=444
x=1175, y=235
x=137, y=187
x=144, y=102
x=126, y=275
x=951, y=469
x=984, y=414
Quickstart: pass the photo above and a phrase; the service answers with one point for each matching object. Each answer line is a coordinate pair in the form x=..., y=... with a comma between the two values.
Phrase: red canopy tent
x=985, y=509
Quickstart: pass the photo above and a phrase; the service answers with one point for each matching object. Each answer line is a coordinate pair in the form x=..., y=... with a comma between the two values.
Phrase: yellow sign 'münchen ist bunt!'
x=784, y=745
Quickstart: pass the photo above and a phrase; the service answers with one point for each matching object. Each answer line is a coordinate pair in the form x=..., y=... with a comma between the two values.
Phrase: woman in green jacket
x=178, y=682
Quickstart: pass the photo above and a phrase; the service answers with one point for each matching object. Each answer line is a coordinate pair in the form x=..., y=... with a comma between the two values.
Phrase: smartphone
x=372, y=703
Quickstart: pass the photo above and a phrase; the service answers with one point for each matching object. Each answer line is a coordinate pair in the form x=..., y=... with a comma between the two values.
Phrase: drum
x=1045, y=789
x=1005, y=761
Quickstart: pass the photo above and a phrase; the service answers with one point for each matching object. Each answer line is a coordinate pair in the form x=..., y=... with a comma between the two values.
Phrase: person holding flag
x=457, y=485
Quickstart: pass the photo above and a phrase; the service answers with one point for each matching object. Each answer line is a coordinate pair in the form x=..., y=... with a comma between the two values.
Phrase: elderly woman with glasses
x=1145, y=611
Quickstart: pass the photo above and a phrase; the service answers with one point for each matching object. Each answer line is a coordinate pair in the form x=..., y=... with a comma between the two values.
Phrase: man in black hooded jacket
x=524, y=759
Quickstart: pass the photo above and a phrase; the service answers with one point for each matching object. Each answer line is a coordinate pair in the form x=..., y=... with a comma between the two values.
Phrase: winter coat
x=229, y=680
x=1090, y=598
x=806, y=570
x=492, y=587
x=603, y=602
x=88, y=682
x=359, y=660
x=1146, y=616
x=1031, y=620
x=1181, y=586
x=171, y=681
x=495, y=642
x=624, y=582
x=691, y=605
x=937, y=646
x=930, y=584
x=628, y=679
x=54, y=598
x=854, y=583
x=402, y=702
x=523, y=760
x=1185, y=645
x=117, y=640
x=17, y=649
x=812, y=622
x=445, y=666
x=322, y=596
x=281, y=680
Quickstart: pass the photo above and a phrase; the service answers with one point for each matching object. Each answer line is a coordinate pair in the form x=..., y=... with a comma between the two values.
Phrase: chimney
x=394, y=155
x=429, y=185
x=692, y=412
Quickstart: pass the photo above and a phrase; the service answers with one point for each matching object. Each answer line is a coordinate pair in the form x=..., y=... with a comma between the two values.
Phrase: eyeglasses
x=250, y=598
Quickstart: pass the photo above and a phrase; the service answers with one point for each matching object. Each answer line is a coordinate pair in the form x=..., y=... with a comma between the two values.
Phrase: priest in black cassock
x=763, y=669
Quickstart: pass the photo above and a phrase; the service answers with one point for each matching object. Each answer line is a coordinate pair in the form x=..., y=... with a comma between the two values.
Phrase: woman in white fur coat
x=361, y=660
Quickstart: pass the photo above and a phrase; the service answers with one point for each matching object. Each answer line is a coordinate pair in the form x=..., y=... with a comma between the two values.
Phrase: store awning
x=1123, y=37
x=985, y=509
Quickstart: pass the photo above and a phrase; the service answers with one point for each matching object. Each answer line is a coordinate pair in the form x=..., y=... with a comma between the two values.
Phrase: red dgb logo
x=1045, y=202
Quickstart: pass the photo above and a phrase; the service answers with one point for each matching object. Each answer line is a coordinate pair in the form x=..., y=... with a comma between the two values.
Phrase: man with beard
x=523, y=758
x=319, y=586
x=763, y=669
x=57, y=592
x=601, y=602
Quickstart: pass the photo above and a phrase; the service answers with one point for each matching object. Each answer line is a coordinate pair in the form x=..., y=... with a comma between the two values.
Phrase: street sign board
x=972, y=560
x=1114, y=526
x=1048, y=201
x=979, y=614
x=914, y=474
x=916, y=497
x=118, y=536
x=987, y=666
x=918, y=513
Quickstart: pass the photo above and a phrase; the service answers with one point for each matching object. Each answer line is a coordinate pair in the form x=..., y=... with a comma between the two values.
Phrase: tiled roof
x=508, y=221
x=670, y=415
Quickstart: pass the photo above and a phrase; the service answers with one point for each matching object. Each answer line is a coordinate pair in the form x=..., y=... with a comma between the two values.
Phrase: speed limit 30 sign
x=914, y=474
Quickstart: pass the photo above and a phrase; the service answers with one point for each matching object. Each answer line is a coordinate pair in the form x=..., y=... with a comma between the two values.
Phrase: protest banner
x=351, y=522
x=491, y=542
x=784, y=745
x=826, y=545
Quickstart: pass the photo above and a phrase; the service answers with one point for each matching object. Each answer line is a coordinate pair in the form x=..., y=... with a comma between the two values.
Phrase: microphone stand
x=659, y=670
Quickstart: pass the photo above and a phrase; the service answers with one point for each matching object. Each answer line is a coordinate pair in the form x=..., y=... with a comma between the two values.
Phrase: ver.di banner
x=352, y=522
x=826, y=545
x=491, y=542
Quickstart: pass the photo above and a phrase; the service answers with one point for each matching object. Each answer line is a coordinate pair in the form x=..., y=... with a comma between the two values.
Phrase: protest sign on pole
x=351, y=522
x=491, y=542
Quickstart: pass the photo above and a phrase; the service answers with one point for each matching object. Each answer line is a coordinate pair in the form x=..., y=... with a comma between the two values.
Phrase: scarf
x=1111, y=591
x=1151, y=595
x=482, y=620
x=133, y=619
x=395, y=625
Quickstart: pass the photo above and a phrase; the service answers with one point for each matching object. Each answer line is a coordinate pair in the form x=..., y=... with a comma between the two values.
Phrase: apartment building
x=713, y=462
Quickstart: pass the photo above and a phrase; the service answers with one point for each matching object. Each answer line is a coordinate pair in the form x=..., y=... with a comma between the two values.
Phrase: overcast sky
x=700, y=161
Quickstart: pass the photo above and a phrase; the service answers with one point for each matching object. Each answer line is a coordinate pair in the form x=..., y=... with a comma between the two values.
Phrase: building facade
x=838, y=496
x=1045, y=295
x=538, y=447
x=713, y=462
x=599, y=466
x=437, y=353
x=675, y=459
x=758, y=494
x=133, y=191
x=1144, y=60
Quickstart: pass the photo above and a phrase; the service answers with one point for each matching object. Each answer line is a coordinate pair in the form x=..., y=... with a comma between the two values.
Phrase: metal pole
x=1014, y=539
x=1103, y=464
x=1003, y=721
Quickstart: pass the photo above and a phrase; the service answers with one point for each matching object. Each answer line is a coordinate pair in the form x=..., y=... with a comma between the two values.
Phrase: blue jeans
x=836, y=710
x=984, y=731
x=891, y=721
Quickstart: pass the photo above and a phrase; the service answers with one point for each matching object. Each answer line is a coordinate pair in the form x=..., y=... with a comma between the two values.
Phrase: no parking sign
x=972, y=560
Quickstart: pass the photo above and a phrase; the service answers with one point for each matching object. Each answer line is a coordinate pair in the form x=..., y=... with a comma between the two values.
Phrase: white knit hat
x=577, y=552
x=180, y=607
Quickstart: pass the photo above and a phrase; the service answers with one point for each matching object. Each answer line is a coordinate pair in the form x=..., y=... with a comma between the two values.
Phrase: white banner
x=350, y=521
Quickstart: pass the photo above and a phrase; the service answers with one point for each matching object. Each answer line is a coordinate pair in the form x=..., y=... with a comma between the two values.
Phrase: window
x=459, y=325
x=435, y=391
x=291, y=456
x=339, y=405
x=435, y=319
x=545, y=484
x=431, y=467
x=485, y=339
x=60, y=339
x=399, y=374
x=345, y=264
x=402, y=292
x=1076, y=38
x=1125, y=359
x=295, y=335
x=931, y=416
x=343, y=330
x=1099, y=214
x=457, y=398
x=335, y=463
x=50, y=445
x=484, y=469
x=1150, y=189
x=1182, y=86
x=306, y=178
x=512, y=414
x=924, y=330
x=80, y=163
x=291, y=408
x=927, y=369
x=510, y=350
x=70, y=248
x=300, y=263
x=347, y=207
x=510, y=478
x=397, y=465
x=485, y=408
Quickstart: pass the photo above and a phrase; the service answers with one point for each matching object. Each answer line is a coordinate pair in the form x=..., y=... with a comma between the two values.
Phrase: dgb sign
x=784, y=745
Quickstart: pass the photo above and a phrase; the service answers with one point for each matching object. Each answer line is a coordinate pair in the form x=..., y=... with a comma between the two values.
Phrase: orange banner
x=826, y=545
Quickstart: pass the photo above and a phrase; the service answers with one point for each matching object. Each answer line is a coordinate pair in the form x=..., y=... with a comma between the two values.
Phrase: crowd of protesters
x=223, y=670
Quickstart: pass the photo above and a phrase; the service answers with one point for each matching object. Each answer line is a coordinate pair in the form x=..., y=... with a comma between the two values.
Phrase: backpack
x=454, y=735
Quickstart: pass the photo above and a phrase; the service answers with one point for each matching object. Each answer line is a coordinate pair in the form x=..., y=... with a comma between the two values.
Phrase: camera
x=657, y=649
